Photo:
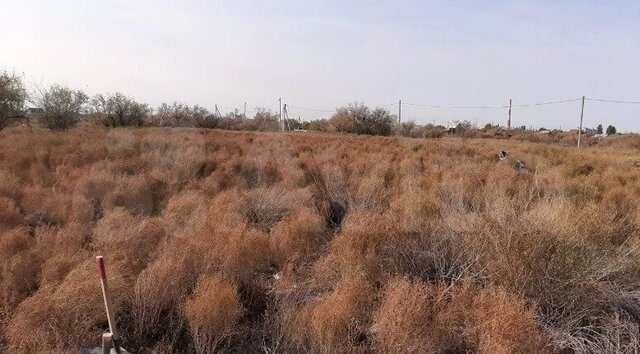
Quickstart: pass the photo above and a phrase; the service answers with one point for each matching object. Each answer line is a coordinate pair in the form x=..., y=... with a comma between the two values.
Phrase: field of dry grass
x=282, y=243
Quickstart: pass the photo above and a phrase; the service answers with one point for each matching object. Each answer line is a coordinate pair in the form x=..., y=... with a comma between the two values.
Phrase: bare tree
x=348, y=118
x=235, y=114
x=200, y=115
x=359, y=119
x=181, y=115
x=118, y=110
x=264, y=120
x=170, y=115
x=379, y=122
x=12, y=98
x=409, y=129
x=61, y=106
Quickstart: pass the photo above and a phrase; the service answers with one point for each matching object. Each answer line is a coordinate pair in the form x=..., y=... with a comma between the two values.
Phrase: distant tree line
x=60, y=108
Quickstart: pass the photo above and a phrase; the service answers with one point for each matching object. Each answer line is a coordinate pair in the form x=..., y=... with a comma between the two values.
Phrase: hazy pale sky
x=321, y=54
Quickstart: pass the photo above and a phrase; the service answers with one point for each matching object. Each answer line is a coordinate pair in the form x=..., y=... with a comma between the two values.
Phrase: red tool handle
x=101, y=271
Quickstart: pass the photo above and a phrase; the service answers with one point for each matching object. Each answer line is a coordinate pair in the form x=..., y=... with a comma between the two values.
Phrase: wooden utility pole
x=509, y=118
x=581, y=118
x=399, y=111
x=280, y=115
x=286, y=117
x=244, y=114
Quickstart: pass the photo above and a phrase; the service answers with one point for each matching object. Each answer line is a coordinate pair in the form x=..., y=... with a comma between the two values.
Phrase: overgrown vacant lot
x=255, y=242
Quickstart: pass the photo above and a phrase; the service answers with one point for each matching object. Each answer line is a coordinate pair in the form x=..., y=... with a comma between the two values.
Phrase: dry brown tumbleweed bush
x=319, y=242
x=213, y=313
x=415, y=317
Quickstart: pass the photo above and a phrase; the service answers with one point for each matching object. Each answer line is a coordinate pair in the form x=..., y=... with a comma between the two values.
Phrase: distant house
x=451, y=128
x=543, y=132
x=585, y=131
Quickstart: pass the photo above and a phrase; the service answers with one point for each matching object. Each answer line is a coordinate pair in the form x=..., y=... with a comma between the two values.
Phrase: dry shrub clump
x=416, y=317
x=60, y=250
x=101, y=191
x=213, y=312
x=339, y=321
x=159, y=291
x=131, y=239
x=221, y=241
x=262, y=209
x=69, y=315
x=9, y=214
x=20, y=269
x=300, y=235
x=330, y=320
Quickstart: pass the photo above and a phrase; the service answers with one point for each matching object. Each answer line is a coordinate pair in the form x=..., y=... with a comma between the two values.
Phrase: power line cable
x=495, y=107
x=274, y=102
x=227, y=108
x=452, y=107
x=311, y=109
x=255, y=108
x=333, y=110
x=612, y=101
x=455, y=107
x=546, y=103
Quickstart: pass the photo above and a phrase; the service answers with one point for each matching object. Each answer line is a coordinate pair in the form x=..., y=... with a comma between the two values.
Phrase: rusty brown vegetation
x=222, y=241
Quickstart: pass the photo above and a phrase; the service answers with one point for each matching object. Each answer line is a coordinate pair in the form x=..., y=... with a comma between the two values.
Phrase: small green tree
x=611, y=130
x=599, y=129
